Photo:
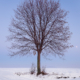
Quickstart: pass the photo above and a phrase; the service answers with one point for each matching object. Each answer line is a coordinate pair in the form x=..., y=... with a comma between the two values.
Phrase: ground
x=53, y=74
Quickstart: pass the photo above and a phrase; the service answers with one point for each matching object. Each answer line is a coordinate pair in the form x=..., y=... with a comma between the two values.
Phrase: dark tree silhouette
x=39, y=25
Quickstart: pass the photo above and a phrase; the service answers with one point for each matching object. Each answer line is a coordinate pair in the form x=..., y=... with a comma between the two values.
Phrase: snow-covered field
x=54, y=74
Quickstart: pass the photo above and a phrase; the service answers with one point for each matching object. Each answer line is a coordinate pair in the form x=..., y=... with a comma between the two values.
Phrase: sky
x=71, y=59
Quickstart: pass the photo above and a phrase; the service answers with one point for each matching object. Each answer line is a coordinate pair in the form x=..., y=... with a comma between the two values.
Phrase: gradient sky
x=72, y=56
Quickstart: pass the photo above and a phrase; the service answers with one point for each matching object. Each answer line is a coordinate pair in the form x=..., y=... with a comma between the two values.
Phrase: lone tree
x=39, y=25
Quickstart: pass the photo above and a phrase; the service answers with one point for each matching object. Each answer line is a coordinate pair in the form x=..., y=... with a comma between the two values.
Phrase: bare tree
x=39, y=25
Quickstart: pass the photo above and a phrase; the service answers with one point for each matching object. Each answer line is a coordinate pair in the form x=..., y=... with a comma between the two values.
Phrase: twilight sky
x=71, y=58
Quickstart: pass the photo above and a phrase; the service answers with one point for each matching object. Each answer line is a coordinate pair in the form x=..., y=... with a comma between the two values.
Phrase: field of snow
x=54, y=74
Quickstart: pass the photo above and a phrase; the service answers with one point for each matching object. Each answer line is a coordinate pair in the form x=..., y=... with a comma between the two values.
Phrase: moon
x=76, y=46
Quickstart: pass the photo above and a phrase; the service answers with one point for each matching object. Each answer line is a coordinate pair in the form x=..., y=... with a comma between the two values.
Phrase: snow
x=54, y=74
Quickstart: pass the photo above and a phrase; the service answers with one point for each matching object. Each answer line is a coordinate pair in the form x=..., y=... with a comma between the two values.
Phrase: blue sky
x=72, y=56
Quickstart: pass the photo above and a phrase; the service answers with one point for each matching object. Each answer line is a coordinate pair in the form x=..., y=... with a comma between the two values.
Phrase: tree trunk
x=38, y=63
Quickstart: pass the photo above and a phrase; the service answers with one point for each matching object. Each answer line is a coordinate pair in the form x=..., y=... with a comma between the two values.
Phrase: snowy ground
x=54, y=74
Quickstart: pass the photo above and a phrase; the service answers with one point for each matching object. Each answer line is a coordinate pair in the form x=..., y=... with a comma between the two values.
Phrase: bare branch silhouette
x=39, y=25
